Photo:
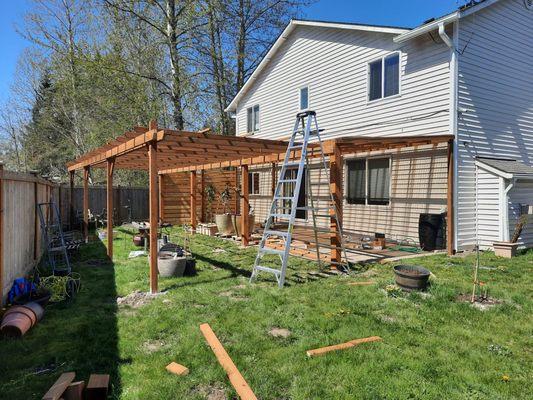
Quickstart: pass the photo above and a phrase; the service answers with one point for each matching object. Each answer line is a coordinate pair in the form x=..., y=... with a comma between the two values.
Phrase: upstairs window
x=253, y=183
x=252, y=119
x=384, y=77
x=304, y=98
x=368, y=181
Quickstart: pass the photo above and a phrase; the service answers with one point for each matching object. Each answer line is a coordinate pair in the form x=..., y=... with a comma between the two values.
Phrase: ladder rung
x=296, y=146
x=272, y=251
x=313, y=208
x=292, y=164
x=284, y=198
x=286, y=216
x=276, y=233
x=287, y=180
x=267, y=269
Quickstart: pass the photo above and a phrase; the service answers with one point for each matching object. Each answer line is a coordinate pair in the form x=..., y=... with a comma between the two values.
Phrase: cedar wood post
x=202, y=196
x=35, y=214
x=192, y=182
x=450, y=195
x=86, y=203
x=1, y=234
x=273, y=172
x=245, y=207
x=335, y=186
x=161, y=202
x=110, y=168
x=71, y=200
x=152, y=171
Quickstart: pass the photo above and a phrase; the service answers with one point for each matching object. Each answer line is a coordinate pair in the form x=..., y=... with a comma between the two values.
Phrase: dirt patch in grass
x=231, y=295
x=151, y=346
x=211, y=392
x=137, y=299
x=279, y=333
x=482, y=304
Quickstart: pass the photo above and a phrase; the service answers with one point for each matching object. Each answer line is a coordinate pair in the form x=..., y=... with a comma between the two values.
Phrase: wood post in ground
x=71, y=200
x=152, y=172
x=335, y=186
x=1, y=233
x=86, y=203
x=450, y=200
x=241, y=386
x=109, y=189
x=193, y=190
x=161, y=199
x=245, y=207
x=202, y=196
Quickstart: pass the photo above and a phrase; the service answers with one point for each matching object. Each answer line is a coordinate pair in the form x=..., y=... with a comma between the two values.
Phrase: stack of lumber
x=65, y=388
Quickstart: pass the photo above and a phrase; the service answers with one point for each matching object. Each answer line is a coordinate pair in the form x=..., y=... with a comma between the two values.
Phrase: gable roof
x=506, y=168
x=403, y=34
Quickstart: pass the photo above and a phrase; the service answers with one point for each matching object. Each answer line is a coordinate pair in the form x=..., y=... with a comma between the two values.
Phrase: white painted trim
x=454, y=90
x=353, y=27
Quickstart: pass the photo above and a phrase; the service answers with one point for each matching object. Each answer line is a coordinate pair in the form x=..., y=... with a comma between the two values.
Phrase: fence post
x=1, y=233
x=35, y=213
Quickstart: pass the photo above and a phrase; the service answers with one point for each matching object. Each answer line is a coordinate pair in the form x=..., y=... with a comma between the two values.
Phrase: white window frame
x=252, y=186
x=300, y=97
x=253, y=130
x=382, y=58
x=345, y=167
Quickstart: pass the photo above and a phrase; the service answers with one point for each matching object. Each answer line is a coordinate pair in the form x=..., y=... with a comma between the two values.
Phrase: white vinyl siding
x=496, y=89
x=488, y=188
x=521, y=194
x=337, y=77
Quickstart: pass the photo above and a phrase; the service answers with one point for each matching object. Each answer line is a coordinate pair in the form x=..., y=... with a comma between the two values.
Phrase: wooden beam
x=1, y=234
x=57, y=389
x=245, y=207
x=71, y=215
x=202, y=196
x=241, y=386
x=86, y=171
x=450, y=201
x=152, y=158
x=335, y=186
x=273, y=179
x=192, y=191
x=342, y=346
x=160, y=185
x=110, y=169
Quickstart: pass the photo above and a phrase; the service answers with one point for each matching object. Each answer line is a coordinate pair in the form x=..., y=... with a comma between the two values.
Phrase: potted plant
x=508, y=249
x=223, y=221
x=209, y=228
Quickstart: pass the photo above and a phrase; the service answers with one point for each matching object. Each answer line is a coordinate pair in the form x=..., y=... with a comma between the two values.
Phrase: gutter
x=429, y=27
x=505, y=210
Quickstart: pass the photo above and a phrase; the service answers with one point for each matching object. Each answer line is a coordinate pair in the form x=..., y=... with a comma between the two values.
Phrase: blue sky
x=407, y=13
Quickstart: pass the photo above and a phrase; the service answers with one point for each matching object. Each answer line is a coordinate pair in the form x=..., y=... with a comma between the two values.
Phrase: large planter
x=224, y=224
x=19, y=319
x=505, y=249
x=170, y=267
x=236, y=220
x=410, y=277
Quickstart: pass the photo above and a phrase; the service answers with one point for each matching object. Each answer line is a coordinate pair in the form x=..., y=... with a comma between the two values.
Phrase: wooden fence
x=20, y=234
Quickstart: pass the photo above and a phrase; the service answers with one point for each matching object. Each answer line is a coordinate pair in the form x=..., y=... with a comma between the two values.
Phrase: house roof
x=506, y=168
x=403, y=34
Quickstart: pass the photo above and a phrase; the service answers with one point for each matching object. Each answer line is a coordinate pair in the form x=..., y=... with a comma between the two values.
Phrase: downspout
x=505, y=210
x=452, y=45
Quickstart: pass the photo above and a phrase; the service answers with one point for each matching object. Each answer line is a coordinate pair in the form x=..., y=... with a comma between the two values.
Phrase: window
x=252, y=119
x=368, y=181
x=253, y=182
x=304, y=98
x=384, y=77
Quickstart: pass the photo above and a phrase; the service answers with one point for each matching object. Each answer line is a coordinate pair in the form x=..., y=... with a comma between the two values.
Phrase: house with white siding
x=468, y=74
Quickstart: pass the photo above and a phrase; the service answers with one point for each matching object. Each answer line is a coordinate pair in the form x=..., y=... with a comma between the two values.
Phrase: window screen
x=304, y=98
x=249, y=118
x=374, y=84
x=378, y=181
x=392, y=77
x=356, y=181
x=256, y=118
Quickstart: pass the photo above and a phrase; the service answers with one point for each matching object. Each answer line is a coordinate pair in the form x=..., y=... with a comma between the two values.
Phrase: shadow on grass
x=235, y=271
x=80, y=336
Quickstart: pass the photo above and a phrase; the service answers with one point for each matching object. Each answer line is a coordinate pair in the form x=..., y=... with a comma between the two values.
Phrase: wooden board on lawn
x=351, y=343
x=57, y=389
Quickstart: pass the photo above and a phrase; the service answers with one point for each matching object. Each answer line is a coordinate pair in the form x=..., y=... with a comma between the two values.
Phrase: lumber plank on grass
x=241, y=387
x=74, y=391
x=342, y=346
x=57, y=389
x=366, y=283
x=177, y=369
x=97, y=387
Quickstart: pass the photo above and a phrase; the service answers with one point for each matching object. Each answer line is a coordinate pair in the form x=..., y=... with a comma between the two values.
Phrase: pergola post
x=450, y=201
x=86, y=203
x=335, y=187
x=192, y=182
x=110, y=168
x=152, y=172
x=71, y=200
x=202, y=196
x=245, y=206
x=273, y=178
x=160, y=197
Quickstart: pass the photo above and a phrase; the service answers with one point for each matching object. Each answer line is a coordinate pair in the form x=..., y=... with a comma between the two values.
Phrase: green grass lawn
x=433, y=346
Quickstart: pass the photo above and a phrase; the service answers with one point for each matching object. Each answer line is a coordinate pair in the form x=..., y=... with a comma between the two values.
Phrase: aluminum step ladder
x=53, y=238
x=284, y=204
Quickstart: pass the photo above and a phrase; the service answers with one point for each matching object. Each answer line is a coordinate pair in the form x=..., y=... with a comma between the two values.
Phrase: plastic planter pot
x=410, y=277
x=170, y=266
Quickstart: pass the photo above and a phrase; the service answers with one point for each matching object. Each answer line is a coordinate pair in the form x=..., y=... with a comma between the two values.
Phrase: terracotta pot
x=237, y=223
x=138, y=240
x=33, y=310
x=15, y=324
x=224, y=225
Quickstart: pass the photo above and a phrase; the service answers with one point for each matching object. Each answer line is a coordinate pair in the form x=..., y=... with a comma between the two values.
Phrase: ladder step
x=271, y=251
x=267, y=269
x=296, y=147
x=284, y=198
x=276, y=233
x=287, y=180
x=314, y=208
x=292, y=164
x=285, y=216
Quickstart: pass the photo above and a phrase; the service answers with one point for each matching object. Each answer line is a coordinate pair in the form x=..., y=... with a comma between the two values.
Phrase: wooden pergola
x=165, y=151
